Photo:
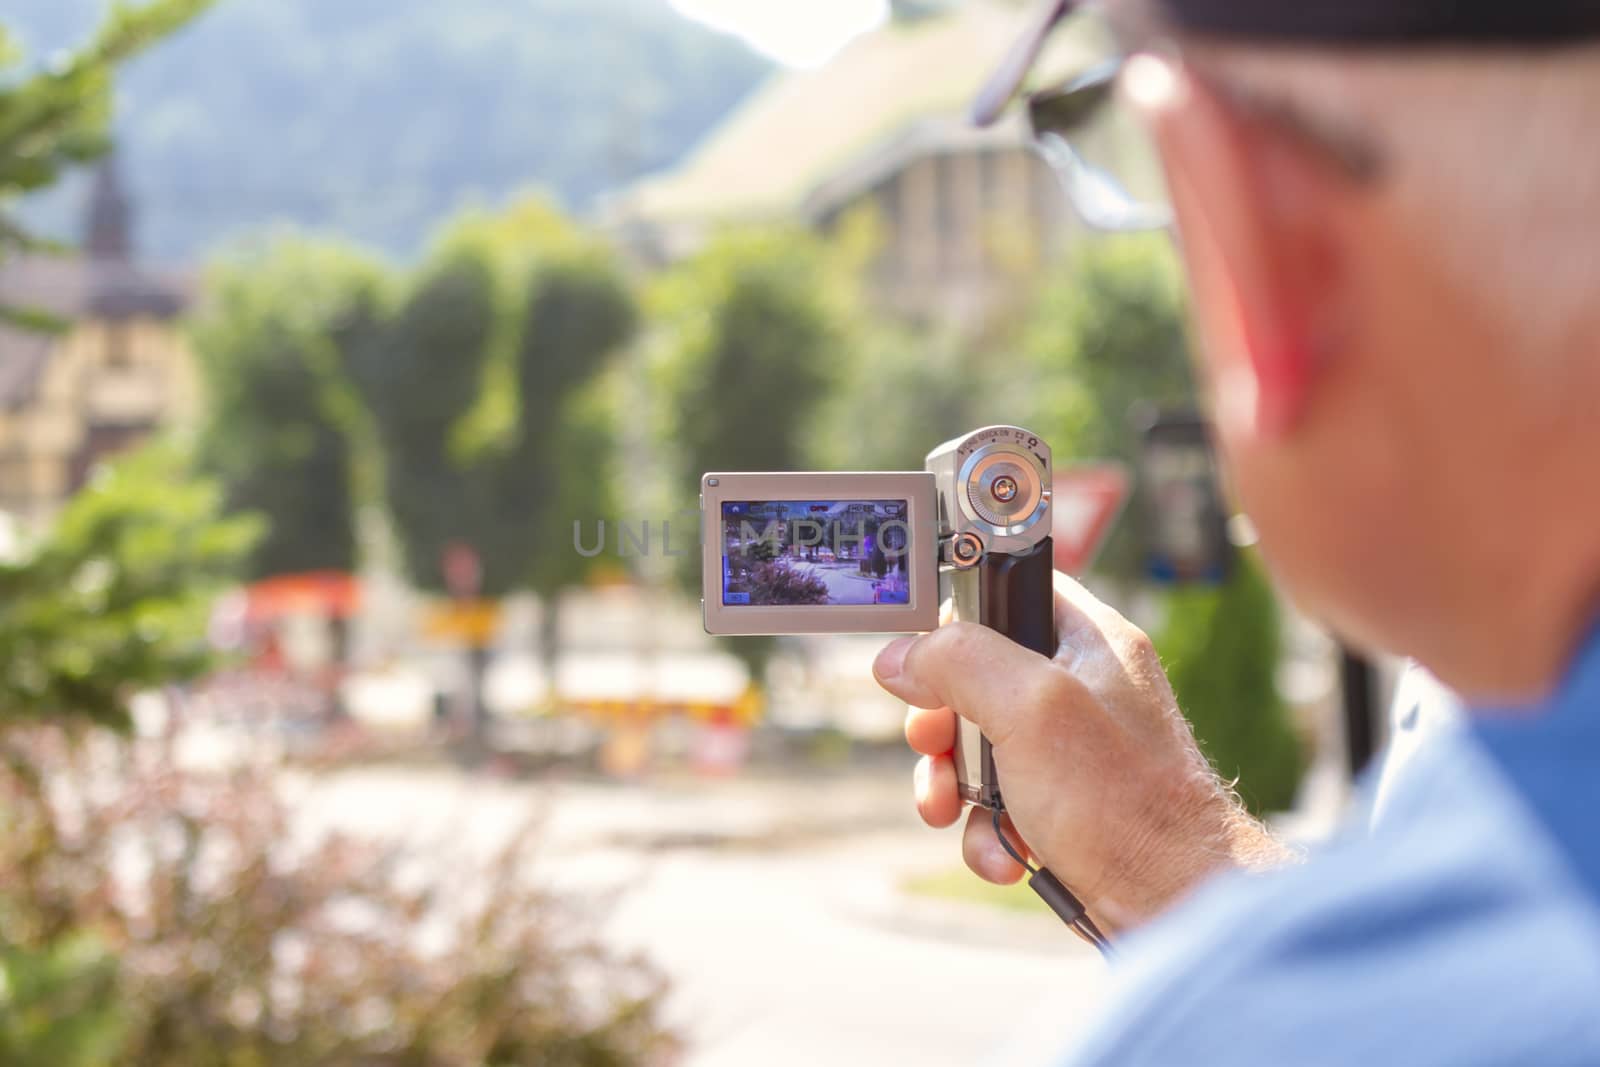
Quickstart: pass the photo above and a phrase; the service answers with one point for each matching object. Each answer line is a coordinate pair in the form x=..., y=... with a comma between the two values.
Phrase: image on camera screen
x=826, y=553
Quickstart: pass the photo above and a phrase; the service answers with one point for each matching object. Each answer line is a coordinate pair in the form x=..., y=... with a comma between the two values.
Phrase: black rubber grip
x=1016, y=597
x=1060, y=899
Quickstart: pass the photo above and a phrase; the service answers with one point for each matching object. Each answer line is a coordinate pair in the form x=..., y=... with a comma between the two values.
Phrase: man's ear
x=1259, y=219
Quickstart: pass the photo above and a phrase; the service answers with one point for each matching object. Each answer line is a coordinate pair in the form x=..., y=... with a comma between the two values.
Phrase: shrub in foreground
x=177, y=919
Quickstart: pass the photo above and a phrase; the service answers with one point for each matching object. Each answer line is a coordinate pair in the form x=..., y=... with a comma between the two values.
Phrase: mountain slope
x=376, y=118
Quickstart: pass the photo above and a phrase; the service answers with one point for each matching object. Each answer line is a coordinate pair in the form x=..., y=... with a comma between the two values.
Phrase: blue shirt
x=1461, y=928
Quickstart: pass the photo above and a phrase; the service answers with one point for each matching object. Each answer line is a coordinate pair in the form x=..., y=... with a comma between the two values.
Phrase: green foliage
x=117, y=598
x=1222, y=648
x=420, y=372
x=907, y=392
x=777, y=582
x=578, y=314
x=756, y=333
x=281, y=421
x=1107, y=333
x=58, y=117
x=482, y=388
x=235, y=942
x=374, y=119
x=58, y=1004
x=906, y=388
x=1106, y=336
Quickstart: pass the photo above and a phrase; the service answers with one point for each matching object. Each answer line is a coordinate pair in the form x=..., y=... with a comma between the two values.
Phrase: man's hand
x=1099, y=769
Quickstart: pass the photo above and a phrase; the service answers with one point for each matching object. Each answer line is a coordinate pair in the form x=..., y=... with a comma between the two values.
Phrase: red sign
x=1086, y=504
x=463, y=570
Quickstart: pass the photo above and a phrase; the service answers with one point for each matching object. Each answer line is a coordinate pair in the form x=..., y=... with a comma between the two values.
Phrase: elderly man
x=1388, y=212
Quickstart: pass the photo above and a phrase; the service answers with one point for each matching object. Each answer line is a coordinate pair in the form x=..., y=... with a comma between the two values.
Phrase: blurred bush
x=155, y=917
x=1221, y=647
x=176, y=919
x=58, y=1005
x=779, y=583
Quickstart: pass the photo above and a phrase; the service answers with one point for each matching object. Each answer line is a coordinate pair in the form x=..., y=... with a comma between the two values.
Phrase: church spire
x=108, y=227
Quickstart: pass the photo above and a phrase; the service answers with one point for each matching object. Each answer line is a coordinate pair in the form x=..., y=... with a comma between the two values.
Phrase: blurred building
x=962, y=212
x=116, y=369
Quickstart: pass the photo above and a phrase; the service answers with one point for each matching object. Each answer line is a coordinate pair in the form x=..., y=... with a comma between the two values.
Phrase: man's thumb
x=975, y=671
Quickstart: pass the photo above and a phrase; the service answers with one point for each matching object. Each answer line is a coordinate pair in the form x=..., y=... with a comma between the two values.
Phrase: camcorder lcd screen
x=816, y=553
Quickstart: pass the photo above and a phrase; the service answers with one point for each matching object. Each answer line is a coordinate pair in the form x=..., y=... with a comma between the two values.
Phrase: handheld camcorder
x=880, y=553
x=808, y=553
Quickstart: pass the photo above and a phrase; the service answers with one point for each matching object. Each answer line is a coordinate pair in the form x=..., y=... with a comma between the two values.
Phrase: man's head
x=1403, y=359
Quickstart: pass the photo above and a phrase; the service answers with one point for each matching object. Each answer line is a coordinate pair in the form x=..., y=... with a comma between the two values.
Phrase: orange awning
x=328, y=593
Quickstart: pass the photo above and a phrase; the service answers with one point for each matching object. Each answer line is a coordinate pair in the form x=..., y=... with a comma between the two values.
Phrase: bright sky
x=800, y=33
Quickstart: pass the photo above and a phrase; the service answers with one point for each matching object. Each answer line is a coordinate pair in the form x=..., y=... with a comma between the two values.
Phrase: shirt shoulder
x=1456, y=933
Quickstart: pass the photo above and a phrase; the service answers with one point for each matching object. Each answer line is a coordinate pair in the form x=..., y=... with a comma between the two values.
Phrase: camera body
x=879, y=552
x=995, y=511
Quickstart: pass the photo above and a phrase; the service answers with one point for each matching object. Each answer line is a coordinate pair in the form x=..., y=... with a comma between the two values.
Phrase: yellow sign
x=467, y=622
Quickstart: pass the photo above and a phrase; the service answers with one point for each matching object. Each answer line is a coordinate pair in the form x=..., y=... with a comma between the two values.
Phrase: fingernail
x=892, y=660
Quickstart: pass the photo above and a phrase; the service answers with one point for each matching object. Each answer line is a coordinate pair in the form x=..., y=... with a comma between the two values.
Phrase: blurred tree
x=59, y=117
x=579, y=313
x=757, y=333
x=757, y=323
x=1108, y=335
x=907, y=387
x=419, y=373
x=281, y=422
x=485, y=390
x=116, y=599
x=908, y=392
x=481, y=390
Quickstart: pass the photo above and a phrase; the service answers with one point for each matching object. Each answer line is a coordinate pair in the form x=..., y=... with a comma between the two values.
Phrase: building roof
x=804, y=128
x=104, y=284
x=70, y=287
x=918, y=140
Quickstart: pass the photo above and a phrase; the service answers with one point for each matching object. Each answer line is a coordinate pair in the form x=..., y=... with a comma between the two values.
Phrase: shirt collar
x=1549, y=754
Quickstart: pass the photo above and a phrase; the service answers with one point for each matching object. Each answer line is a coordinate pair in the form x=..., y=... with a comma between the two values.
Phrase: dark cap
x=1333, y=22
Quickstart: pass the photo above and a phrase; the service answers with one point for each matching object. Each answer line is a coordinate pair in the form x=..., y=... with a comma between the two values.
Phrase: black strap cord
x=1060, y=899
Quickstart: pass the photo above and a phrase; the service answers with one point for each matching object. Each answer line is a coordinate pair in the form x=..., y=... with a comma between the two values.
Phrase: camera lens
x=1003, y=490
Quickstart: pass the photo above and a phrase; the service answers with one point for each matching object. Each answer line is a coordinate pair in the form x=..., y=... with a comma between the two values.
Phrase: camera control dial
x=1004, y=489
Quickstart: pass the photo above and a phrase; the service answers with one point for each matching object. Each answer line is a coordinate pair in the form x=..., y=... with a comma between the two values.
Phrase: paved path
x=775, y=909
